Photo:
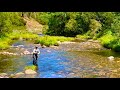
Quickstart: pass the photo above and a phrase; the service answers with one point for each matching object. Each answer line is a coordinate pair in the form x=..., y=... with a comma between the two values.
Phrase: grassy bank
x=108, y=40
x=52, y=40
x=32, y=67
x=6, y=41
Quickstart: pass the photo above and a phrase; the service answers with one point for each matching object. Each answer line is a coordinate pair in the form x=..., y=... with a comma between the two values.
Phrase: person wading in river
x=35, y=55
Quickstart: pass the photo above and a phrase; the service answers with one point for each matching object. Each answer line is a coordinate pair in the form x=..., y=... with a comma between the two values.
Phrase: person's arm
x=38, y=51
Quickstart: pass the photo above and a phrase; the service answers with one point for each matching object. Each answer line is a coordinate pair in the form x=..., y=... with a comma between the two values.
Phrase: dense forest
x=102, y=26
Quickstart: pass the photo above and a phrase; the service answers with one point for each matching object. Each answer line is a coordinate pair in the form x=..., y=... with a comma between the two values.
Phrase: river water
x=57, y=63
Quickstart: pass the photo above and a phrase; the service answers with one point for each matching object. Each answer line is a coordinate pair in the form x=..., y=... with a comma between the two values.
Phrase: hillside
x=33, y=26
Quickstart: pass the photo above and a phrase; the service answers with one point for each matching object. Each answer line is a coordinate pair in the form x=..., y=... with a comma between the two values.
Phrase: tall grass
x=32, y=67
x=83, y=36
x=52, y=40
x=23, y=35
x=5, y=42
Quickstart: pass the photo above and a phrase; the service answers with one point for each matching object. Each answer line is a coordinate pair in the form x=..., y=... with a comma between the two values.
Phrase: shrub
x=106, y=39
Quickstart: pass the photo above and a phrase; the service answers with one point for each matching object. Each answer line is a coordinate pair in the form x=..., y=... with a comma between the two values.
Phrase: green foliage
x=57, y=24
x=52, y=40
x=32, y=67
x=43, y=18
x=82, y=36
x=94, y=26
x=23, y=35
x=4, y=43
x=108, y=40
x=9, y=20
x=45, y=28
x=104, y=26
x=28, y=36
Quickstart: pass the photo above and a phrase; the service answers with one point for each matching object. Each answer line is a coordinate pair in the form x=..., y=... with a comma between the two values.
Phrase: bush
x=116, y=45
x=106, y=39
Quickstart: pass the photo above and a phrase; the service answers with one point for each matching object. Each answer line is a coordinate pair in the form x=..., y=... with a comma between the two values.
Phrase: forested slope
x=103, y=26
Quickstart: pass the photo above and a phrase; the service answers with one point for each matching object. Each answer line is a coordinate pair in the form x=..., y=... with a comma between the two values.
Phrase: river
x=59, y=63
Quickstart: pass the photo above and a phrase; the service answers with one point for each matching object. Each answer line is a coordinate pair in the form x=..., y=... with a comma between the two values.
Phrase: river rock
x=19, y=75
x=67, y=42
x=110, y=58
x=26, y=52
x=29, y=71
x=48, y=51
x=8, y=53
x=54, y=47
x=20, y=45
x=12, y=76
x=43, y=46
x=4, y=75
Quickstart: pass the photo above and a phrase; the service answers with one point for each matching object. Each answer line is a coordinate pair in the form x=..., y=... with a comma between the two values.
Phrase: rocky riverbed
x=86, y=59
x=29, y=73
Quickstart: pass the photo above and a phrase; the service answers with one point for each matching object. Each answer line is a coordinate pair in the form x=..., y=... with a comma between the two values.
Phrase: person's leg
x=36, y=57
x=33, y=59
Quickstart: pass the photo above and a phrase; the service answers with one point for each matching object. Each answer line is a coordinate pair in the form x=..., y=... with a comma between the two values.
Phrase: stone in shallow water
x=29, y=71
x=26, y=52
x=3, y=74
x=111, y=58
x=18, y=75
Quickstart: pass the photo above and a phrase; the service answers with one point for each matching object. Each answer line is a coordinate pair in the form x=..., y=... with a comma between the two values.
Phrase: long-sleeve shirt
x=36, y=51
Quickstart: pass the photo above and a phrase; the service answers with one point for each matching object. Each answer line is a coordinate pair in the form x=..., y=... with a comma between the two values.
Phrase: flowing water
x=57, y=63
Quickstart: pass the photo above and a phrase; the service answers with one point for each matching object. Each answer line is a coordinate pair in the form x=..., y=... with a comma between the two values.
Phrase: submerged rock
x=111, y=58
